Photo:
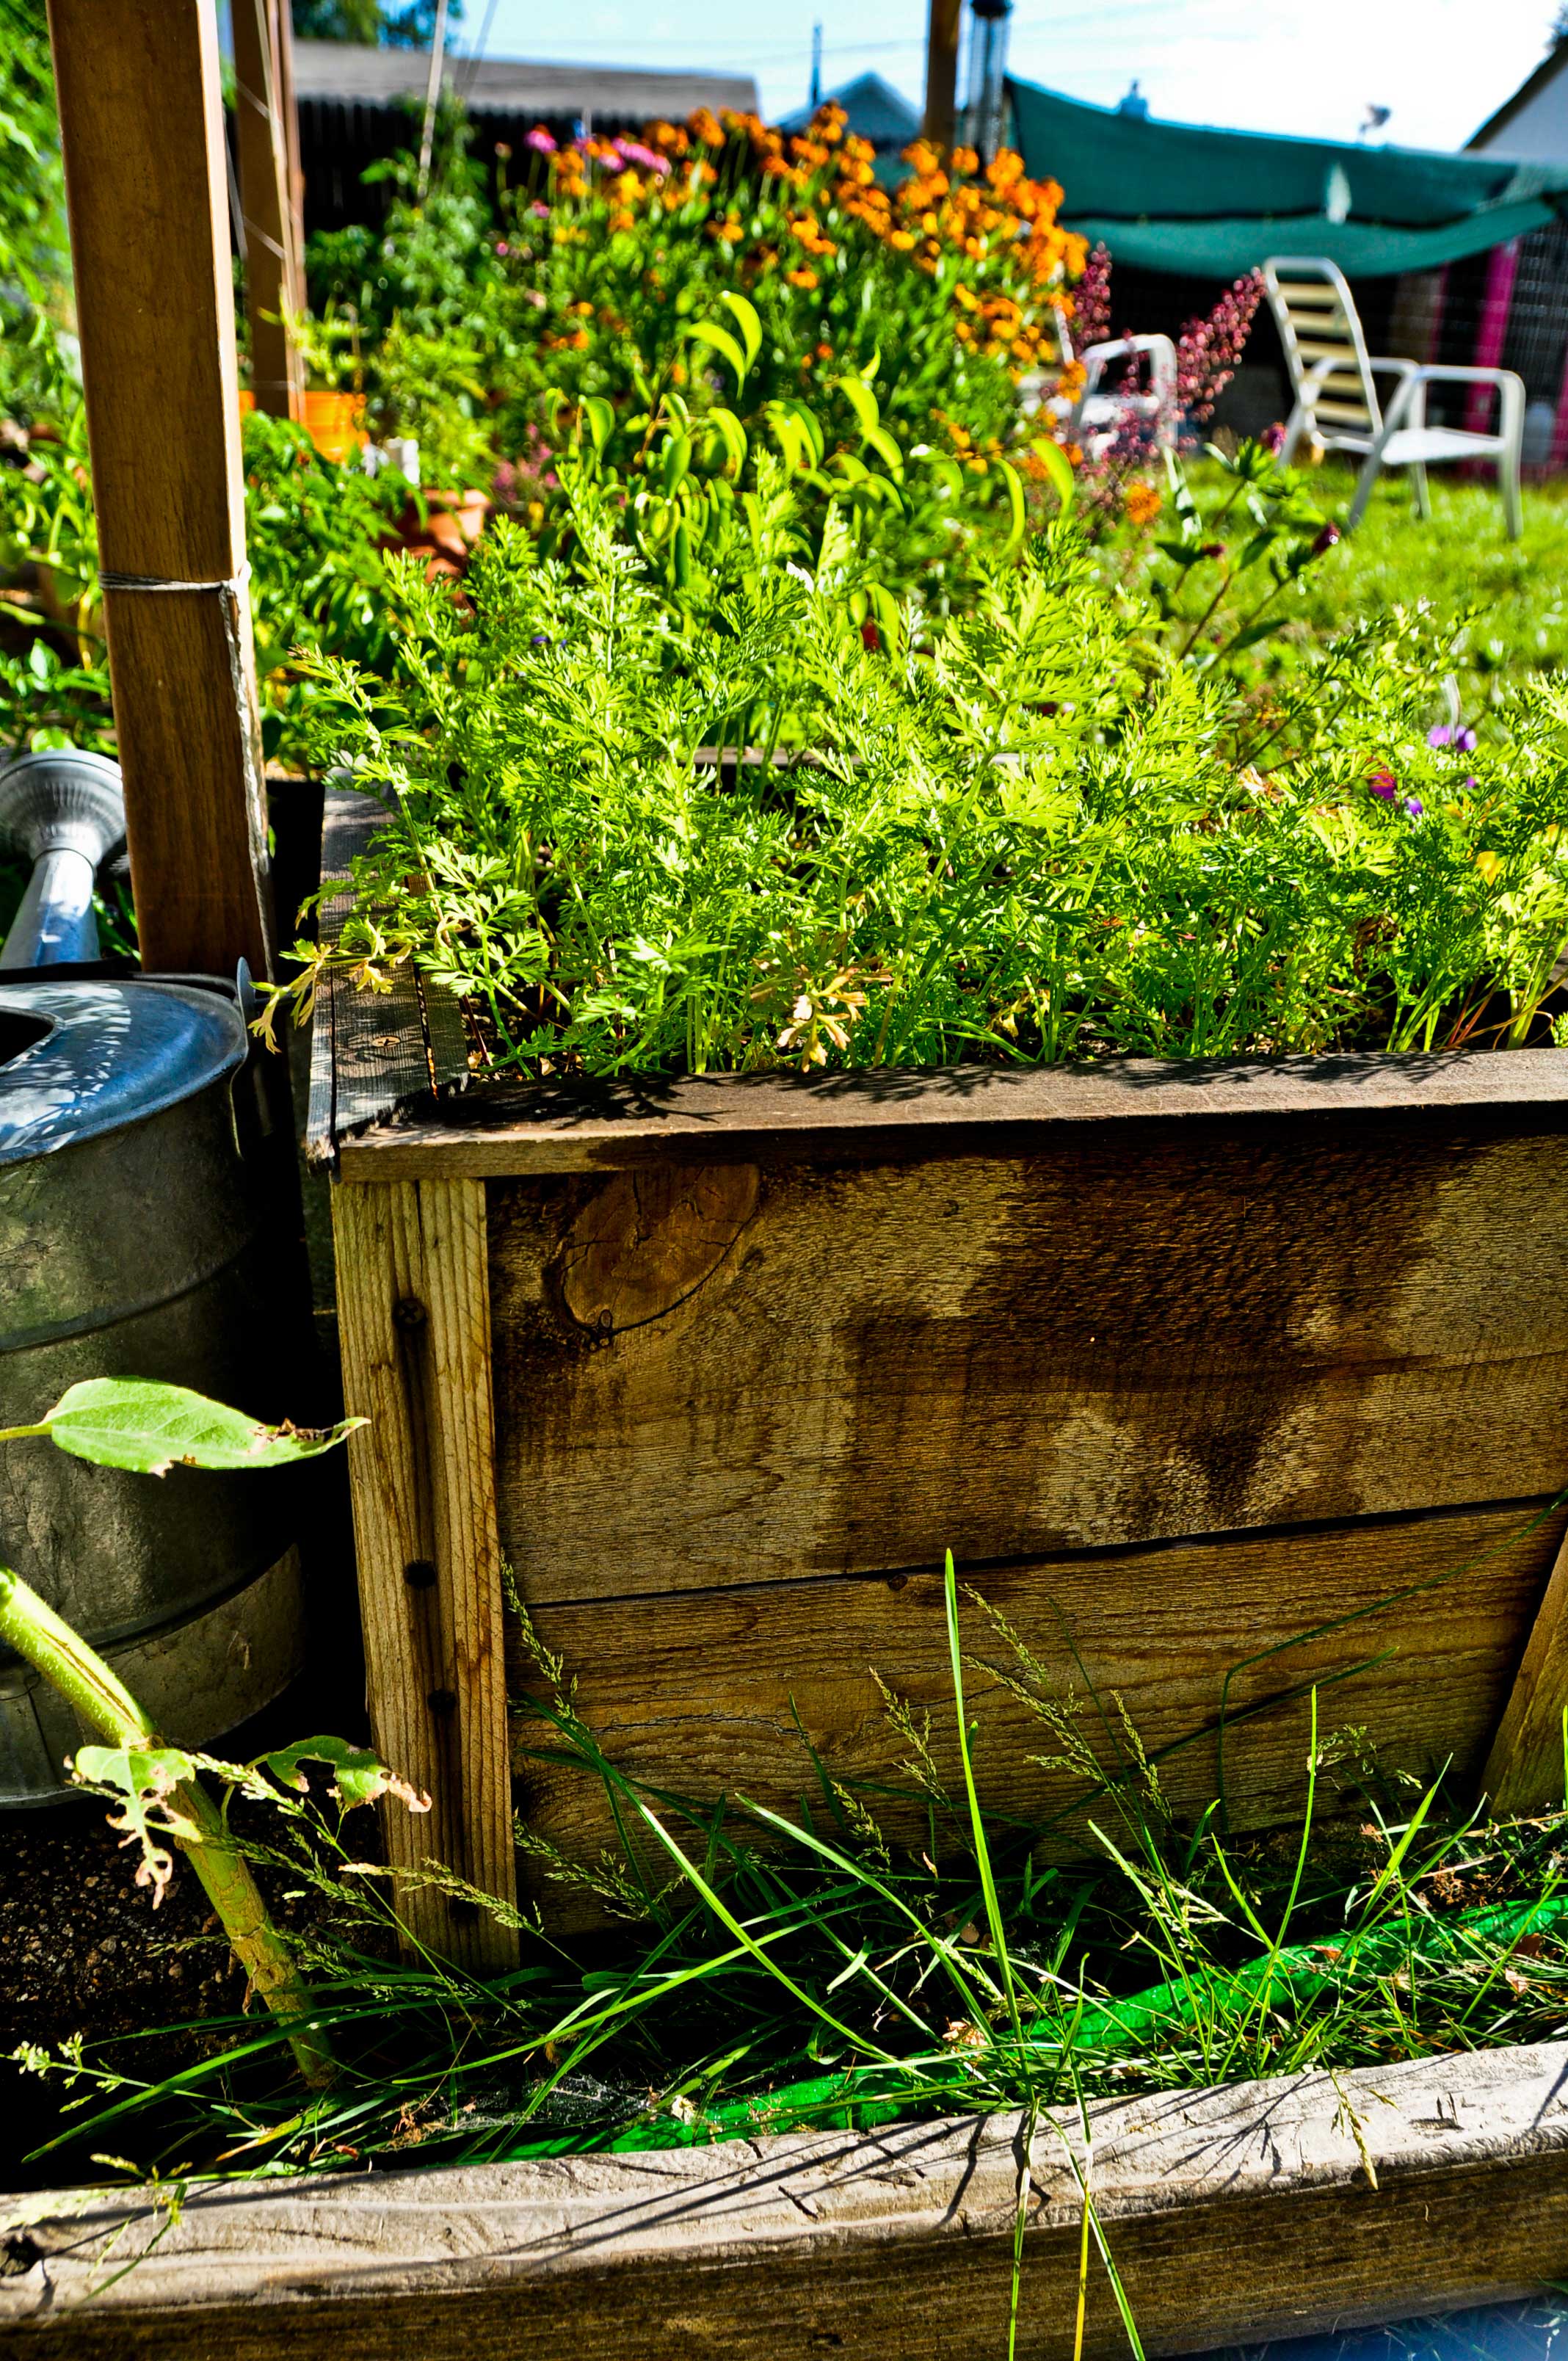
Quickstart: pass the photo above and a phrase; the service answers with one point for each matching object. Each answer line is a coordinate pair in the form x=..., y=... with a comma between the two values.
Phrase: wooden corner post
x=414, y=1319
x=263, y=96
x=1527, y=1766
x=142, y=135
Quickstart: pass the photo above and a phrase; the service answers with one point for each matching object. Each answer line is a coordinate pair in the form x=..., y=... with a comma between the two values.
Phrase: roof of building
x=875, y=111
x=1210, y=204
x=350, y=70
x=1554, y=62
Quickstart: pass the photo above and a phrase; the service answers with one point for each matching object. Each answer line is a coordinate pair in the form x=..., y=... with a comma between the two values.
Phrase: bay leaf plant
x=743, y=808
x=146, y=1427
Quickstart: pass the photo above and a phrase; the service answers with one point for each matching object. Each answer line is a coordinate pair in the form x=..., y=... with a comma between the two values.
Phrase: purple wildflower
x=539, y=140
x=1414, y=805
x=1383, y=786
x=1209, y=350
x=1091, y=301
x=1457, y=733
x=1273, y=439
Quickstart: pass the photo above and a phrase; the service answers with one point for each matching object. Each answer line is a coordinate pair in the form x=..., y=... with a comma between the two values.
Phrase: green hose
x=832, y=2102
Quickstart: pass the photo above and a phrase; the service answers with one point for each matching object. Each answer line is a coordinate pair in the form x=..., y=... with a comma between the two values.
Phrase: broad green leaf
x=732, y=434
x=600, y=418
x=359, y=1776
x=675, y=460
x=861, y=400
x=877, y=439
x=137, y=1423
x=1058, y=467
x=746, y=319
x=134, y=1769
x=709, y=331
x=1009, y=475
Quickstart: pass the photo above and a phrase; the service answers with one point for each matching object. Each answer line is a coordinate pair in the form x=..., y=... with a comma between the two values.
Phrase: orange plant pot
x=335, y=423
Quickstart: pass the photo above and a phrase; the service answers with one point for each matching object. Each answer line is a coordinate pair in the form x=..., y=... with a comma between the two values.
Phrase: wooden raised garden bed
x=1183, y=1363
x=1261, y=2209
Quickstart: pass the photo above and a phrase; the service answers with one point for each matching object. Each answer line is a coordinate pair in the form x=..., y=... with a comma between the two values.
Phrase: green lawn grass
x=1460, y=558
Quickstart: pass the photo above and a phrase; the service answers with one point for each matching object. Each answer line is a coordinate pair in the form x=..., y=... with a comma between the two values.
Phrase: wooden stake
x=941, y=71
x=141, y=129
x=289, y=116
x=414, y=1318
x=272, y=290
x=1525, y=1771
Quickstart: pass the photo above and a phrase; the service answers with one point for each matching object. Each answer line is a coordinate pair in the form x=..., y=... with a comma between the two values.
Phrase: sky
x=1443, y=66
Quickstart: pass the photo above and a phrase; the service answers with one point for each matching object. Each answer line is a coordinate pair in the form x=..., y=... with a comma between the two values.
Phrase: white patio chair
x=1099, y=414
x=1332, y=381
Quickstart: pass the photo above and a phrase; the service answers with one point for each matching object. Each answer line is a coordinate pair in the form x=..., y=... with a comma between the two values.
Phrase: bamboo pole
x=142, y=134
x=272, y=290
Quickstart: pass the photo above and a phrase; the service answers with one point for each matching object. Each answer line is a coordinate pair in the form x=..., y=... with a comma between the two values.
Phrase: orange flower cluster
x=1013, y=258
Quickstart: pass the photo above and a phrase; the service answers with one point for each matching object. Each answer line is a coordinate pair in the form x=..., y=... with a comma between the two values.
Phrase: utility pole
x=941, y=71
x=816, y=67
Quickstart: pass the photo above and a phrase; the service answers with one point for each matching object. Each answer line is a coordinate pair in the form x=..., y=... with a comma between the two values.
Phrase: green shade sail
x=1210, y=205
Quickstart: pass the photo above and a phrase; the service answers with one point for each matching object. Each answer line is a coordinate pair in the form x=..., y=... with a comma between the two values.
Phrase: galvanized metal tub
x=131, y=1246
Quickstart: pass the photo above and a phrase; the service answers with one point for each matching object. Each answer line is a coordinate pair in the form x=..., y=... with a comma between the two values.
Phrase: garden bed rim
x=655, y=2240
x=496, y=1131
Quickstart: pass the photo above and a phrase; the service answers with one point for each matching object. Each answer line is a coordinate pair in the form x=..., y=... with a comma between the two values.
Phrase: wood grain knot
x=648, y=1239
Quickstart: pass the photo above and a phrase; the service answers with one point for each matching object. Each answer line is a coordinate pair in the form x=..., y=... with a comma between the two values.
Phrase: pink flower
x=539, y=140
x=501, y=246
x=1383, y=786
x=1457, y=734
x=540, y=212
x=1273, y=439
x=645, y=157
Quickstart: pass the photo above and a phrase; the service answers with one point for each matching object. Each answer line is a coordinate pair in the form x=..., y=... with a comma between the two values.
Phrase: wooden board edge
x=379, y=1051
x=413, y=1316
x=1259, y=2209
x=1527, y=1770
x=893, y=1115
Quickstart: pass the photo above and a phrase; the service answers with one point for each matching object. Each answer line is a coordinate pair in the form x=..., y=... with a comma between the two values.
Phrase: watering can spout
x=65, y=813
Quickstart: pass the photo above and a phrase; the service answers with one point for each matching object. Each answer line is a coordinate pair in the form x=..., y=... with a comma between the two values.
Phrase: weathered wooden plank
x=371, y=1050
x=1243, y=2213
x=141, y=126
x=696, y=1694
x=1114, y=1340
x=887, y=1114
x=412, y=1316
x=272, y=265
x=1527, y=1766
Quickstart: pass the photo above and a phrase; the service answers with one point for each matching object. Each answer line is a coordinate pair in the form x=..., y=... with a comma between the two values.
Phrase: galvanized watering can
x=131, y=1246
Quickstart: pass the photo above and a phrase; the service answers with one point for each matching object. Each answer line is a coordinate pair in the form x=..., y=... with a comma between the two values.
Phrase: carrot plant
x=1032, y=831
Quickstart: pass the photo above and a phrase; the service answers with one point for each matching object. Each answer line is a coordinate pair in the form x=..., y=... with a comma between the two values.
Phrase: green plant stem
x=33, y=1629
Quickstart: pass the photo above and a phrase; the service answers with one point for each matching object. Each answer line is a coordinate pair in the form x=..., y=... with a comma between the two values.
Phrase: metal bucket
x=130, y=1246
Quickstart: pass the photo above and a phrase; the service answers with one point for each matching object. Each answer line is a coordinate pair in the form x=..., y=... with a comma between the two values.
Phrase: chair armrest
x=1097, y=359
x=1412, y=391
